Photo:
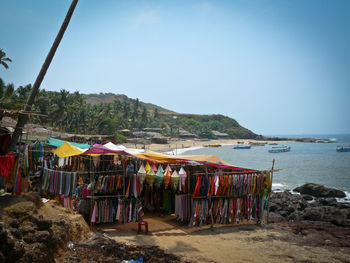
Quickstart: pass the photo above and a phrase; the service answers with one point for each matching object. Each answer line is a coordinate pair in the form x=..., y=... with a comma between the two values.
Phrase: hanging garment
x=6, y=164
x=175, y=180
x=167, y=176
x=142, y=175
x=183, y=177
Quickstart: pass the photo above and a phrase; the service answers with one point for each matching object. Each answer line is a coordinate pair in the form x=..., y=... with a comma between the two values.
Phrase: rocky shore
x=314, y=203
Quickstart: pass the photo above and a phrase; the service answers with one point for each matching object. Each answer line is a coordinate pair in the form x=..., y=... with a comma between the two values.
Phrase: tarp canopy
x=67, y=150
x=102, y=149
x=57, y=143
x=130, y=151
x=210, y=160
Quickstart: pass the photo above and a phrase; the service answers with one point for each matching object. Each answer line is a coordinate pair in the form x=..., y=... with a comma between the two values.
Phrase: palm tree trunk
x=23, y=118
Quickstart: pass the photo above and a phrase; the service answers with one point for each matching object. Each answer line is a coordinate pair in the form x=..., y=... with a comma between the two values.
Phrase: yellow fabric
x=147, y=168
x=67, y=150
x=267, y=183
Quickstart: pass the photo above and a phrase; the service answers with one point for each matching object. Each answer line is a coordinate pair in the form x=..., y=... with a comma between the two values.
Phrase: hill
x=200, y=125
x=108, y=114
x=106, y=98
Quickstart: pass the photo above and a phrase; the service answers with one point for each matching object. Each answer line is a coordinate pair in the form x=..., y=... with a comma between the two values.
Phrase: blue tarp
x=57, y=143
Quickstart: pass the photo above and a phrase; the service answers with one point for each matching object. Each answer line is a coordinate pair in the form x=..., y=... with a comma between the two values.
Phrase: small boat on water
x=273, y=143
x=343, y=148
x=212, y=145
x=242, y=146
x=280, y=149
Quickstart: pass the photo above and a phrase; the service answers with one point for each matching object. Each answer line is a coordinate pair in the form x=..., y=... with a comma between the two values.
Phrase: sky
x=277, y=67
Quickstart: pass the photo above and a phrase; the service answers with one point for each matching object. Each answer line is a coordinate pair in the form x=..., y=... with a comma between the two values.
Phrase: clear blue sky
x=277, y=67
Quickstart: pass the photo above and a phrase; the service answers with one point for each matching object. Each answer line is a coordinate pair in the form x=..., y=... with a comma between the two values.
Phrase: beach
x=179, y=146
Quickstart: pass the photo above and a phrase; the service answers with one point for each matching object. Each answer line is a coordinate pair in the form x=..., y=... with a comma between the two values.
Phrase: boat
x=343, y=148
x=280, y=149
x=242, y=146
x=273, y=143
x=212, y=145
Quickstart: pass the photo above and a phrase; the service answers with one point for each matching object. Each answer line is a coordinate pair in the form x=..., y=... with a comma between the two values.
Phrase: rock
x=307, y=197
x=2, y=258
x=295, y=216
x=318, y=190
x=314, y=214
x=15, y=223
x=42, y=236
x=16, y=233
x=27, y=229
x=328, y=201
x=3, y=237
x=29, y=238
x=42, y=224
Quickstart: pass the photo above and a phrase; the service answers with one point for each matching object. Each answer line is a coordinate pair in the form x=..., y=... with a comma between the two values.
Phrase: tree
x=3, y=58
x=23, y=118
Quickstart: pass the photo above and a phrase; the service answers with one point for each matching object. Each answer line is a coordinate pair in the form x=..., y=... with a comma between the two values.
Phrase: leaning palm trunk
x=23, y=118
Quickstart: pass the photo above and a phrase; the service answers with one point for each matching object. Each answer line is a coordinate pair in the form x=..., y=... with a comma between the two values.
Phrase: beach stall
x=122, y=184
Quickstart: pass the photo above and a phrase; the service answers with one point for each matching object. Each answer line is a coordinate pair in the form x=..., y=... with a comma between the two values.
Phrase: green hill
x=108, y=113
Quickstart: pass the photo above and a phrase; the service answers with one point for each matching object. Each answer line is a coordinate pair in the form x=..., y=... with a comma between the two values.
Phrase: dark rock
x=307, y=197
x=16, y=233
x=295, y=216
x=42, y=236
x=314, y=214
x=15, y=223
x=318, y=190
x=42, y=224
x=16, y=253
x=27, y=229
x=2, y=258
x=3, y=236
x=29, y=238
x=328, y=201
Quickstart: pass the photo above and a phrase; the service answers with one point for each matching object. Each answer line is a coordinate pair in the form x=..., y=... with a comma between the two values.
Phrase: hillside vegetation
x=107, y=113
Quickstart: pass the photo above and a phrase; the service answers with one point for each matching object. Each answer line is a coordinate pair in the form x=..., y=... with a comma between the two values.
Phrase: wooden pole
x=268, y=196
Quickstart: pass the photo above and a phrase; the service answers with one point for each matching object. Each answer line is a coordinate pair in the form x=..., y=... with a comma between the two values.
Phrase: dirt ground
x=278, y=242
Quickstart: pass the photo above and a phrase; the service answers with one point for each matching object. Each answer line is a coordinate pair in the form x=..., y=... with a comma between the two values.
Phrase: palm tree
x=23, y=118
x=3, y=58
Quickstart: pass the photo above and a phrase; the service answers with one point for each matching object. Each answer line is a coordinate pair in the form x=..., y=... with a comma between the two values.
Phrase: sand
x=245, y=243
x=175, y=145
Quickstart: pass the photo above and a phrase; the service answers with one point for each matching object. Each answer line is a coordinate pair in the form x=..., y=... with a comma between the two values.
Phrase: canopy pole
x=269, y=192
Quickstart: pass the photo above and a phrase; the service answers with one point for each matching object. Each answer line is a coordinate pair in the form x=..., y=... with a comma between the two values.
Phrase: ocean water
x=306, y=162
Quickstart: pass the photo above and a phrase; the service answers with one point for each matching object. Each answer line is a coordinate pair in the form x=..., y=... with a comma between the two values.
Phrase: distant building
x=220, y=135
x=153, y=129
x=186, y=135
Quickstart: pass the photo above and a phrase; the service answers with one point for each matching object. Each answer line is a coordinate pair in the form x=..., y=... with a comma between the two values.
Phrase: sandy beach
x=179, y=145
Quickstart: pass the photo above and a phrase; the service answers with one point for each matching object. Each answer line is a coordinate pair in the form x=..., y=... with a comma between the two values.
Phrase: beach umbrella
x=142, y=175
x=167, y=176
x=183, y=177
x=175, y=179
x=159, y=176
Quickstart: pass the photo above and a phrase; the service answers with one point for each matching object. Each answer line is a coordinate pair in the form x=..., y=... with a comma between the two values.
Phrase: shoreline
x=184, y=145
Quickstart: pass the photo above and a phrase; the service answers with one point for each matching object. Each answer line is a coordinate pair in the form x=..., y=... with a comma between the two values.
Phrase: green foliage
x=70, y=112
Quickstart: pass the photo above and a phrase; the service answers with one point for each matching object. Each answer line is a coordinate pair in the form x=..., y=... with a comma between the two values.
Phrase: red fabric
x=198, y=186
x=6, y=164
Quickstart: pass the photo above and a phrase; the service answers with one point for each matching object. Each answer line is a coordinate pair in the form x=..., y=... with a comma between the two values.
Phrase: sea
x=306, y=162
